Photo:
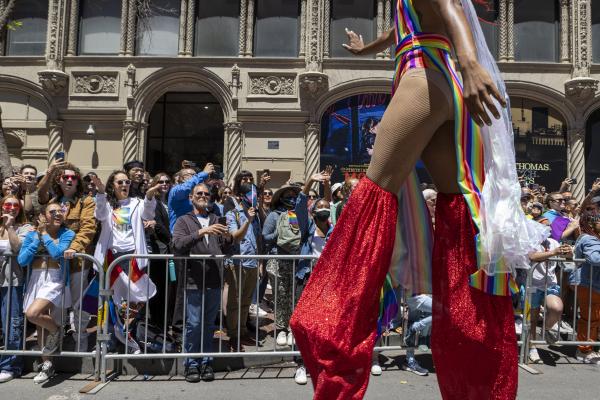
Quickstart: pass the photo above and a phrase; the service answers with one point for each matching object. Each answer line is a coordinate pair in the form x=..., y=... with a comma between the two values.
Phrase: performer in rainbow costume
x=481, y=234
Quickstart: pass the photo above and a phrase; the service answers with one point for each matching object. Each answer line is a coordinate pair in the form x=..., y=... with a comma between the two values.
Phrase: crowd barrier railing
x=280, y=269
x=76, y=288
x=564, y=267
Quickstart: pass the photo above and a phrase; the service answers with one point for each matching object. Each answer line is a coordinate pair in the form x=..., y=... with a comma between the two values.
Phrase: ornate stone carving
x=302, y=28
x=510, y=19
x=249, y=29
x=564, y=31
x=576, y=160
x=73, y=28
x=387, y=23
x=95, y=84
x=312, y=133
x=243, y=22
x=234, y=135
x=54, y=81
x=124, y=19
x=581, y=90
x=131, y=31
x=182, y=27
x=235, y=84
x=326, y=27
x=55, y=34
x=314, y=54
x=272, y=84
x=19, y=134
x=380, y=17
x=502, y=18
x=189, y=33
x=55, y=138
x=313, y=84
x=130, y=140
x=131, y=83
x=582, y=45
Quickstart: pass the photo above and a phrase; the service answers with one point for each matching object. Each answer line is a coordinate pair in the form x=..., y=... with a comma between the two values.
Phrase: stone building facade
x=271, y=105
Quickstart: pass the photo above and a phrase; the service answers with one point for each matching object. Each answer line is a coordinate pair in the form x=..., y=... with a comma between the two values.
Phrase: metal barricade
x=530, y=290
x=78, y=352
x=283, y=282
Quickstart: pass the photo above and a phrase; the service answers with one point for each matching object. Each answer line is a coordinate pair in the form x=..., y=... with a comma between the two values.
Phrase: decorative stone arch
x=16, y=84
x=157, y=84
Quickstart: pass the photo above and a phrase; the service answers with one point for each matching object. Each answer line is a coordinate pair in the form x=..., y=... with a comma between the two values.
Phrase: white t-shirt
x=539, y=273
x=204, y=222
x=318, y=243
x=122, y=229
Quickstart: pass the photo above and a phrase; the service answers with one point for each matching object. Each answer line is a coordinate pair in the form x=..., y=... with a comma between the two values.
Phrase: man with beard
x=199, y=232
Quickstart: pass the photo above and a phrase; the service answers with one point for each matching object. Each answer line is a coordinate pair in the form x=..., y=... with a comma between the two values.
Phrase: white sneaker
x=564, y=327
x=281, y=338
x=45, y=374
x=52, y=343
x=6, y=376
x=376, y=369
x=255, y=309
x=300, y=376
x=534, y=356
x=587, y=358
x=290, y=339
x=519, y=327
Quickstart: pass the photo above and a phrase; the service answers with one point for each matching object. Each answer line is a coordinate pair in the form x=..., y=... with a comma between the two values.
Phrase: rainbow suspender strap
x=436, y=50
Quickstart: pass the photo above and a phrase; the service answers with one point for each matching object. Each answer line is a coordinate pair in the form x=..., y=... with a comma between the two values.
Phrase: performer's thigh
x=440, y=159
x=418, y=108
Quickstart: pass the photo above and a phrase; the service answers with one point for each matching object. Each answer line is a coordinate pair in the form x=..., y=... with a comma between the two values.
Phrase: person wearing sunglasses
x=122, y=218
x=562, y=227
x=43, y=252
x=68, y=191
x=13, y=229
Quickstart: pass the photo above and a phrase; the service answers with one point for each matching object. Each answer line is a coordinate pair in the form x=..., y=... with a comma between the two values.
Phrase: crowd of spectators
x=48, y=218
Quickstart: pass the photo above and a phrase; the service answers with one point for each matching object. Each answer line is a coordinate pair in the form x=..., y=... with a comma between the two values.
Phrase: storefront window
x=28, y=38
x=277, y=28
x=158, y=30
x=536, y=29
x=356, y=15
x=540, y=143
x=217, y=28
x=99, y=26
x=487, y=11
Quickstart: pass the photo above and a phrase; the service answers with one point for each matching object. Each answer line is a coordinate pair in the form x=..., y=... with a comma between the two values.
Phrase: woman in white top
x=13, y=229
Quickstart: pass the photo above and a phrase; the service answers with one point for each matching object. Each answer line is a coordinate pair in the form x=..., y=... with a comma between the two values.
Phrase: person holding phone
x=201, y=232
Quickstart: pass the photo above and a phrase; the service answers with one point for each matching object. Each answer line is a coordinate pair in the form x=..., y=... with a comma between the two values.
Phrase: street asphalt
x=561, y=378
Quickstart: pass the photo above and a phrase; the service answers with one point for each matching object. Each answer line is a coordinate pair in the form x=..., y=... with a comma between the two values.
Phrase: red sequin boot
x=473, y=337
x=335, y=321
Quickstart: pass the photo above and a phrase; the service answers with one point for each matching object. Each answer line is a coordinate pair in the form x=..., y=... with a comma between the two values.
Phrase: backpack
x=288, y=233
x=155, y=339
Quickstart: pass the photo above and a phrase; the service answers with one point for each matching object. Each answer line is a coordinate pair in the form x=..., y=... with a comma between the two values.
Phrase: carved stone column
x=387, y=22
x=55, y=138
x=250, y=29
x=314, y=36
x=131, y=28
x=302, y=28
x=53, y=79
x=73, y=28
x=124, y=19
x=326, y=27
x=312, y=134
x=510, y=23
x=576, y=160
x=130, y=140
x=380, y=17
x=243, y=22
x=582, y=38
x=234, y=132
x=189, y=31
x=503, y=21
x=564, y=31
x=182, y=27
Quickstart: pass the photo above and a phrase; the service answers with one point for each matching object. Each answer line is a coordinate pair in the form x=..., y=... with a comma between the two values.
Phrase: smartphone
x=267, y=171
x=573, y=181
x=222, y=221
x=59, y=155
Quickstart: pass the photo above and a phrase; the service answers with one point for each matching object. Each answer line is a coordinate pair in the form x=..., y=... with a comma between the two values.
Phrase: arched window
x=592, y=149
x=540, y=143
x=487, y=11
x=536, y=28
x=158, y=28
x=99, y=26
x=277, y=28
x=356, y=15
x=596, y=32
x=29, y=37
x=218, y=28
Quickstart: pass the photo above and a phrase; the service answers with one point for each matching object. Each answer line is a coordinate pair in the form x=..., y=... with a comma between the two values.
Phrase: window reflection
x=99, y=26
x=356, y=15
x=158, y=30
x=29, y=38
x=217, y=28
x=536, y=29
x=277, y=28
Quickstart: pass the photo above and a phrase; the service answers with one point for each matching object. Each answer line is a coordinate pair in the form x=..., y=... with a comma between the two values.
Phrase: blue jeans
x=11, y=363
x=199, y=331
x=419, y=311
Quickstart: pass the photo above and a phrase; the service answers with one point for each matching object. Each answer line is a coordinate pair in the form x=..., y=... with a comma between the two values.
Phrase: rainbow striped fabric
x=388, y=306
x=293, y=219
x=425, y=50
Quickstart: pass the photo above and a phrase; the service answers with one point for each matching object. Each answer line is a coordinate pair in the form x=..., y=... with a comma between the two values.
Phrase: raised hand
x=478, y=90
x=355, y=42
x=98, y=183
x=152, y=191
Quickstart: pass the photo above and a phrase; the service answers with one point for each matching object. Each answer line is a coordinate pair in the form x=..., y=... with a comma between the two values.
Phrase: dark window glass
x=277, y=28
x=184, y=126
x=592, y=149
x=536, y=30
x=158, y=33
x=596, y=31
x=218, y=28
x=29, y=37
x=487, y=11
x=99, y=26
x=356, y=15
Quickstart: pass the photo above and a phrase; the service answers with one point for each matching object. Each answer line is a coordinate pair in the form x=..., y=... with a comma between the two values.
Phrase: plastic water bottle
x=172, y=274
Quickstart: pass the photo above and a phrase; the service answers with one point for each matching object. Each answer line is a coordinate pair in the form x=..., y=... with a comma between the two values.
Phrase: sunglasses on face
x=54, y=213
x=312, y=196
x=228, y=193
x=11, y=206
x=267, y=193
x=164, y=181
x=66, y=178
x=201, y=194
x=123, y=182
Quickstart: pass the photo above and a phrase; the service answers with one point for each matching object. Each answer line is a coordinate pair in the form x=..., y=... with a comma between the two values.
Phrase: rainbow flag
x=388, y=306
